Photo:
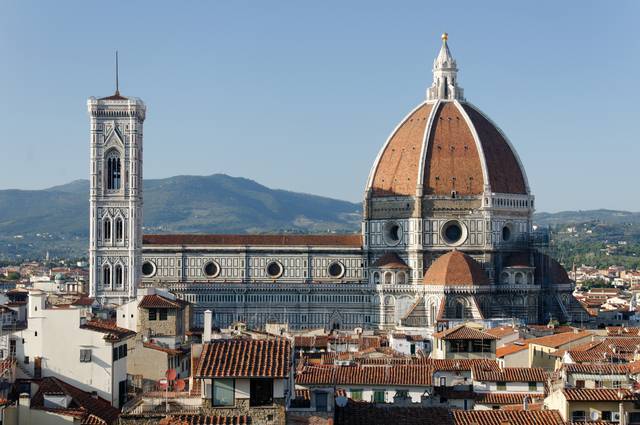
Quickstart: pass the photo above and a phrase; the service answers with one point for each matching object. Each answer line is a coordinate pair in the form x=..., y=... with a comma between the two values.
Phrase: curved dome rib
x=396, y=169
x=506, y=174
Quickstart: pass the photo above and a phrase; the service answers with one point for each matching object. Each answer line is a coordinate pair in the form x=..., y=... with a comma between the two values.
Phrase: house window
x=580, y=383
x=153, y=314
x=261, y=393
x=443, y=381
x=26, y=359
x=85, y=356
x=402, y=394
x=606, y=415
x=378, y=396
x=321, y=402
x=163, y=314
x=356, y=395
x=533, y=386
x=223, y=392
x=578, y=416
x=502, y=386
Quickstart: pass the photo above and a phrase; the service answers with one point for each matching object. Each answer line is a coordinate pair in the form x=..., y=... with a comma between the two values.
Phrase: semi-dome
x=455, y=268
x=446, y=145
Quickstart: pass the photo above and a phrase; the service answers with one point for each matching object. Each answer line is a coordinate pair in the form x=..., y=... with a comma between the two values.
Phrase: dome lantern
x=445, y=76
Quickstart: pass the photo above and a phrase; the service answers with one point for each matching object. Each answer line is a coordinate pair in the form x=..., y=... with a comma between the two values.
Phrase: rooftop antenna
x=117, y=82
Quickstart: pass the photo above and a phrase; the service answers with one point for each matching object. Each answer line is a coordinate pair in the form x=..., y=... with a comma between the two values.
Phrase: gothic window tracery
x=106, y=275
x=107, y=229
x=119, y=229
x=118, y=275
x=113, y=173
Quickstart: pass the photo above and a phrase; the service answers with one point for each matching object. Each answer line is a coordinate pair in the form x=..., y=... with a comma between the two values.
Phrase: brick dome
x=455, y=268
x=444, y=146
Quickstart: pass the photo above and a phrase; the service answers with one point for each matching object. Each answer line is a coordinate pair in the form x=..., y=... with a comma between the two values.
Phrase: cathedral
x=447, y=233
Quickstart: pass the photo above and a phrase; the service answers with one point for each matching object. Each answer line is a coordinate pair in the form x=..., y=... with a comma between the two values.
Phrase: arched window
x=519, y=277
x=459, y=309
x=504, y=277
x=113, y=171
x=118, y=275
x=106, y=275
x=107, y=229
x=388, y=276
x=401, y=278
x=376, y=278
x=119, y=229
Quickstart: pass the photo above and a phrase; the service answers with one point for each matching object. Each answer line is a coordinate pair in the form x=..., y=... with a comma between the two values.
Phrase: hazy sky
x=301, y=95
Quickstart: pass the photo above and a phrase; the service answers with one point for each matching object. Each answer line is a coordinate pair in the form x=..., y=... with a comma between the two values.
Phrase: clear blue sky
x=301, y=95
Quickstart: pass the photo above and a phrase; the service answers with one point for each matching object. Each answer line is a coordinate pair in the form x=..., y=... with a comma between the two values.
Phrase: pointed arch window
x=118, y=275
x=119, y=229
x=106, y=275
x=113, y=171
x=107, y=229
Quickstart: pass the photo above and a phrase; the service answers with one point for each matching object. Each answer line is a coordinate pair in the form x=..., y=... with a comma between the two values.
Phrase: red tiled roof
x=390, y=260
x=511, y=349
x=113, y=332
x=410, y=375
x=346, y=240
x=318, y=341
x=511, y=417
x=506, y=398
x=463, y=332
x=193, y=419
x=245, y=358
x=557, y=340
x=459, y=365
x=598, y=394
x=597, y=369
x=510, y=374
x=83, y=405
x=455, y=268
x=157, y=301
x=84, y=301
x=502, y=331
x=170, y=351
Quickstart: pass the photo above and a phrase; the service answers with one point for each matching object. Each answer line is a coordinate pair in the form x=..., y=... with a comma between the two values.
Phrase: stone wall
x=167, y=327
x=259, y=415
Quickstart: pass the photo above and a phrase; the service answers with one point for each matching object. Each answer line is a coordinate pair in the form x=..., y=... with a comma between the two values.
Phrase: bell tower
x=115, y=239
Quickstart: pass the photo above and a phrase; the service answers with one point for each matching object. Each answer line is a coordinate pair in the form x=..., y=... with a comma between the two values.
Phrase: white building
x=62, y=343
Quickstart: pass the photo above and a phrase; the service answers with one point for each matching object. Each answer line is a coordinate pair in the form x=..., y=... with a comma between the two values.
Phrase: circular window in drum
x=336, y=270
x=392, y=233
x=506, y=233
x=275, y=269
x=148, y=269
x=211, y=269
x=453, y=232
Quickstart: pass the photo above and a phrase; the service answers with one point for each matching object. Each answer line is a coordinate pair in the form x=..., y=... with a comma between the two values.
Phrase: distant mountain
x=603, y=216
x=56, y=219
x=214, y=204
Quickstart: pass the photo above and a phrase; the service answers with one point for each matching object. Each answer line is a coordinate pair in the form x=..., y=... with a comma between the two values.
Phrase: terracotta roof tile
x=463, y=332
x=597, y=369
x=510, y=374
x=506, y=398
x=598, y=394
x=502, y=331
x=511, y=349
x=345, y=240
x=245, y=358
x=455, y=268
x=416, y=375
x=83, y=405
x=511, y=417
x=397, y=169
x=157, y=301
x=390, y=260
x=557, y=340
x=112, y=331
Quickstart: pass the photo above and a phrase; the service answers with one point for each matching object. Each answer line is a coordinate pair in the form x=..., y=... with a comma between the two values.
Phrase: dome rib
x=455, y=268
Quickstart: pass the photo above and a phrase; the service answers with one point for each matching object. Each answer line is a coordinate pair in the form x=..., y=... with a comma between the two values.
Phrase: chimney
x=206, y=333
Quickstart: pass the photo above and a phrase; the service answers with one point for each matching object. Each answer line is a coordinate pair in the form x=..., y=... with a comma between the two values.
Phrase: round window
x=453, y=233
x=211, y=269
x=392, y=233
x=148, y=269
x=336, y=270
x=506, y=233
x=274, y=269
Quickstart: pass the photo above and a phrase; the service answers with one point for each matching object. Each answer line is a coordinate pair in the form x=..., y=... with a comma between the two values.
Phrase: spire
x=117, y=82
x=445, y=75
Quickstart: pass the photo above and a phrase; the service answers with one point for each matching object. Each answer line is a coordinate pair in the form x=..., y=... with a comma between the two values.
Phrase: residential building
x=464, y=342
